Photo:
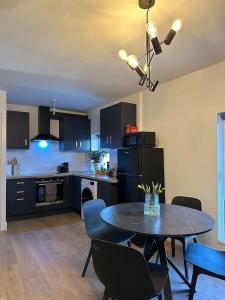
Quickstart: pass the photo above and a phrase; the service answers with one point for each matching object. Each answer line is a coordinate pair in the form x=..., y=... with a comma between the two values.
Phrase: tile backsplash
x=37, y=160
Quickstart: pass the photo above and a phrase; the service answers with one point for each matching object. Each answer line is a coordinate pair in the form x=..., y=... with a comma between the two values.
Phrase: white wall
x=183, y=112
x=36, y=160
x=3, y=224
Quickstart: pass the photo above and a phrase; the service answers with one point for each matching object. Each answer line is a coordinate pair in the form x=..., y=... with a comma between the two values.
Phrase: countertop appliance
x=49, y=191
x=63, y=168
x=89, y=191
x=139, y=165
x=141, y=138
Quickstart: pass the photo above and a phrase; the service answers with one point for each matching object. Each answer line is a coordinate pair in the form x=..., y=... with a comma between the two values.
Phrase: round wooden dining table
x=173, y=221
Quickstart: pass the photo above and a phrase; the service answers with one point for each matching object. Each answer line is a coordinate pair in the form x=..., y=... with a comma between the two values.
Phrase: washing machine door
x=86, y=195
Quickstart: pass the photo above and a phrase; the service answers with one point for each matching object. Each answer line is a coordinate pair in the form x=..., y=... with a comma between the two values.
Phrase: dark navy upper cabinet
x=113, y=122
x=75, y=133
x=17, y=130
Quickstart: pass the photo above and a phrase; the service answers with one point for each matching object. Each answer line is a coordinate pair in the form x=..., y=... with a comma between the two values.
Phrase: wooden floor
x=43, y=258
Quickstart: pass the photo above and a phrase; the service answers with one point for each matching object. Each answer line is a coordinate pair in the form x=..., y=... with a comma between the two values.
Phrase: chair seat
x=206, y=258
x=159, y=275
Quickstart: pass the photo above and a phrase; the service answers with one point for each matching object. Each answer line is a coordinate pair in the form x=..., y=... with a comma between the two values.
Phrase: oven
x=49, y=191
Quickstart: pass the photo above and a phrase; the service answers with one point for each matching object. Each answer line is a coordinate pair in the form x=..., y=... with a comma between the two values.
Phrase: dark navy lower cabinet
x=108, y=192
x=20, y=196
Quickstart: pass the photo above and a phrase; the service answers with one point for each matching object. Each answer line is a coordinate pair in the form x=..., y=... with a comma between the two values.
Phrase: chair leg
x=193, y=283
x=184, y=243
x=157, y=258
x=86, y=263
x=160, y=297
x=173, y=247
x=129, y=244
x=195, y=240
x=105, y=296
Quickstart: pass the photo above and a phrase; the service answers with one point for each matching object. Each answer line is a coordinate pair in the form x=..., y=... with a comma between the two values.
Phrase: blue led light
x=43, y=144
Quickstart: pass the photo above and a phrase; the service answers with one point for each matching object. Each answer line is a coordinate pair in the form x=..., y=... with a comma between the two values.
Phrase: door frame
x=3, y=223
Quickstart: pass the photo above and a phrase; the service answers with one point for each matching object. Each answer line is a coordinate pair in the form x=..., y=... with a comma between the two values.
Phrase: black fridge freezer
x=139, y=165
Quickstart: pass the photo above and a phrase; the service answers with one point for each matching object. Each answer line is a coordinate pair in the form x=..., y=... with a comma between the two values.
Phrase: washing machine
x=89, y=191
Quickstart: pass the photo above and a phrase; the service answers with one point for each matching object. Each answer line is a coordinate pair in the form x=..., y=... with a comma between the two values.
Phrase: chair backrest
x=122, y=270
x=92, y=218
x=187, y=202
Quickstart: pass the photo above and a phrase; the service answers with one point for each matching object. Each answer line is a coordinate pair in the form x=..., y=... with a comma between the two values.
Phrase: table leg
x=148, y=248
x=151, y=246
x=179, y=273
x=163, y=259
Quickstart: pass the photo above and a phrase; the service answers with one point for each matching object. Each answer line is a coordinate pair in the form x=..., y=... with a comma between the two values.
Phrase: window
x=95, y=145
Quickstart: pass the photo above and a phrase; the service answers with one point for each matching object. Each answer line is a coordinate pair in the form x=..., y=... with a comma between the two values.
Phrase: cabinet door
x=75, y=133
x=115, y=139
x=108, y=192
x=17, y=130
x=20, y=196
x=68, y=192
x=82, y=133
x=76, y=199
x=105, y=119
x=66, y=133
x=113, y=121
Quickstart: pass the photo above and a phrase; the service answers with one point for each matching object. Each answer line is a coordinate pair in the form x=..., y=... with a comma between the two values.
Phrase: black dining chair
x=125, y=273
x=207, y=261
x=191, y=203
x=98, y=229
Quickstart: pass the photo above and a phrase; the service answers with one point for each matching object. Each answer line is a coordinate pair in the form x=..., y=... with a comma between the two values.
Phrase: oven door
x=49, y=192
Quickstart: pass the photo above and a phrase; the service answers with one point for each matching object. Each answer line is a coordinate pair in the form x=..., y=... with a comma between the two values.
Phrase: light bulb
x=177, y=24
x=43, y=144
x=151, y=30
x=146, y=68
x=132, y=61
x=123, y=55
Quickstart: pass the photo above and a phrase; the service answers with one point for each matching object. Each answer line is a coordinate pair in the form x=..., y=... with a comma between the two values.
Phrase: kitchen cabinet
x=20, y=196
x=113, y=122
x=75, y=133
x=72, y=193
x=17, y=130
x=108, y=192
x=76, y=201
x=68, y=192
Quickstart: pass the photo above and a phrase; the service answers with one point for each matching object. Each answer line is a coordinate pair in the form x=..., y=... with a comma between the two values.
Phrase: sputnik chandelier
x=153, y=47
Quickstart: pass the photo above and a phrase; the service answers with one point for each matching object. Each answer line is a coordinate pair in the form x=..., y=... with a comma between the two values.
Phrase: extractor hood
x=44, y=126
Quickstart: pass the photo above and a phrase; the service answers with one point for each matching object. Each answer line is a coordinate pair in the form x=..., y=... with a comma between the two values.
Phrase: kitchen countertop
x=87, y=175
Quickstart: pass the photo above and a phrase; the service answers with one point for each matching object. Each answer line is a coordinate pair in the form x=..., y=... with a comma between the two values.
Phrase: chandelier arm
x=151, y=58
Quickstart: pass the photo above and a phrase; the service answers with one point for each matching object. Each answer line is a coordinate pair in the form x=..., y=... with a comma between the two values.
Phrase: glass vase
x=152, y=206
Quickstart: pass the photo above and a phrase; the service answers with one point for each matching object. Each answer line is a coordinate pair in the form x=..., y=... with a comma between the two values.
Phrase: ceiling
x=68, y=49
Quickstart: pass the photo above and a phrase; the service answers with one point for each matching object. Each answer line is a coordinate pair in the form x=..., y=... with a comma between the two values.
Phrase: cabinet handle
x=20, y=192
x=20, y=182
x=110, y=139
x=76, y=144
x=80, y=144
x=20, y=199
x=25, y=142
x=107, y=140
